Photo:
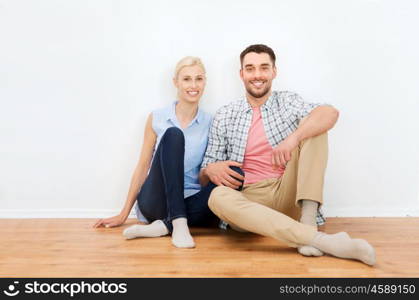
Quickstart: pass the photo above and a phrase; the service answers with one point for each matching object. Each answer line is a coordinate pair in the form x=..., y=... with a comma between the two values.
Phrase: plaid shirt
x=281, y=114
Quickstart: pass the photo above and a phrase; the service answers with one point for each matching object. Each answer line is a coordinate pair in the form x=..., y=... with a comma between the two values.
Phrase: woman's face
x=190, y=83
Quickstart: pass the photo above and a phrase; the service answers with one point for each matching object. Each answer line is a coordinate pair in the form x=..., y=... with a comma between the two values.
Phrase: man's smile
x=257, y=83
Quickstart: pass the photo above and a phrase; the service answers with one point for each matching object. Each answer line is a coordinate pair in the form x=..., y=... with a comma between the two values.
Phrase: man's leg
x=301, y=189
x=235, y=208
x=302, y=186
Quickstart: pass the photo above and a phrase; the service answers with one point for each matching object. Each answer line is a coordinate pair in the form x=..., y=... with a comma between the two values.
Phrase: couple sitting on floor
x=258, y=165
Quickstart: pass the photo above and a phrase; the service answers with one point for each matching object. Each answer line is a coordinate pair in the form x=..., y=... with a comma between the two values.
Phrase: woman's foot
x=155, y=229
x=342, y=245
x=181, y=237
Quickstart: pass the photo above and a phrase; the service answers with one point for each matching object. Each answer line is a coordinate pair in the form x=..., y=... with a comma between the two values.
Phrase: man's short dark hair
x=258, y=48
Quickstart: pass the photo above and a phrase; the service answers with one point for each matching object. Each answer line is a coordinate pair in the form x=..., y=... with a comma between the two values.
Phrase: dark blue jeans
x=161, y=196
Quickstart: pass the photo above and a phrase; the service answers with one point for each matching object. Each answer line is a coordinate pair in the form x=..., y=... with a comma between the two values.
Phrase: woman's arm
x=203, y=177
x=137, y=179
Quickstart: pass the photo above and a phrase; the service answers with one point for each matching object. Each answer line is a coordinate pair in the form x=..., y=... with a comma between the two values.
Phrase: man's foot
x=308, y=217
x=181, y=237
x=155, y=229
x=343, y=246
x=309, y=251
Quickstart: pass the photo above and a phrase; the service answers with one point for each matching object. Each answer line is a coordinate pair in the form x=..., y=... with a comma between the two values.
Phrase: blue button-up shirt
x=196, y=139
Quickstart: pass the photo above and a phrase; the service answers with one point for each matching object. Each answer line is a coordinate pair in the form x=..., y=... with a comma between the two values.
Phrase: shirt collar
x=172, y=115
x=271, y=100
x=245, y=106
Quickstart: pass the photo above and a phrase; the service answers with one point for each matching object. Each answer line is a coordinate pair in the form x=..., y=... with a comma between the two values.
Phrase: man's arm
x=215, y=167
x=220, y=173
x=318, y=121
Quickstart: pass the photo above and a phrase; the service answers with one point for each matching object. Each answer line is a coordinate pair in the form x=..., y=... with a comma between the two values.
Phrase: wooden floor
x=72, y=248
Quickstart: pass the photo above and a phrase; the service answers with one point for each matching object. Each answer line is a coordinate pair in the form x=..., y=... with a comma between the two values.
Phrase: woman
x=170, y=196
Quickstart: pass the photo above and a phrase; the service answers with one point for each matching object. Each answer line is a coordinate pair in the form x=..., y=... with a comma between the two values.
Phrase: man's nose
x=258, y=74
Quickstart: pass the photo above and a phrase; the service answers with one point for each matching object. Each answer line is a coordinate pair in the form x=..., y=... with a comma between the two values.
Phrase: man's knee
x=217, y=196
x=302, y=121
x=322, y=136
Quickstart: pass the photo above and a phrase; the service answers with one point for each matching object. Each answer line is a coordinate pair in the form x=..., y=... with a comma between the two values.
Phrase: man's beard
x=259, y=94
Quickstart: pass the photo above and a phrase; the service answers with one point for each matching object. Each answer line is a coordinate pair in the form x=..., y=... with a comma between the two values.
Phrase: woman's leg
x=197, y=210
x=161, y=197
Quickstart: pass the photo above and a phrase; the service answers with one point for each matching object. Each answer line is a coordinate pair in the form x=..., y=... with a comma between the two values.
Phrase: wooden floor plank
x=72, y=248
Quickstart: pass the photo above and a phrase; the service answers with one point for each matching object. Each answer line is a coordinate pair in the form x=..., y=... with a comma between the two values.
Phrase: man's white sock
x=342, y=245
x=308, y=217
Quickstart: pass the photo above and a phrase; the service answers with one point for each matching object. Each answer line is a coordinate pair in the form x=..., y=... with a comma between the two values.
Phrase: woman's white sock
x=155, y=229
x=181, y=237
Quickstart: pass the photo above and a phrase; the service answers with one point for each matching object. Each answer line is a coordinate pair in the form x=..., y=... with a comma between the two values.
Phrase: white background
x=78, y=78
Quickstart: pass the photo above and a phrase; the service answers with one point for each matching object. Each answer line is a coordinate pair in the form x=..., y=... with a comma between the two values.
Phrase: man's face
x=257, y=73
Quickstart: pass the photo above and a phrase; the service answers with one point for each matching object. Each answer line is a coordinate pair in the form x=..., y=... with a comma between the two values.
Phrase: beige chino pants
x=271, y=207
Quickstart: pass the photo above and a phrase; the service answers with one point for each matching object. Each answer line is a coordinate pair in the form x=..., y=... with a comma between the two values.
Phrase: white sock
x=308, y=217
x=155, y=229
x=342, y=245
x=181, y=237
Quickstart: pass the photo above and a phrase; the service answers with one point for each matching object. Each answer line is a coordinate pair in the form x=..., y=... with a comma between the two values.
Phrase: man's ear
x=275, y=71
x=241, y=73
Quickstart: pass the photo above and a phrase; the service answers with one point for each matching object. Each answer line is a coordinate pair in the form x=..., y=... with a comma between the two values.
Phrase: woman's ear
x=175, y=82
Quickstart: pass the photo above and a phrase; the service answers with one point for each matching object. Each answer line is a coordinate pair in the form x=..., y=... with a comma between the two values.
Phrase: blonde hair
x=187, y=62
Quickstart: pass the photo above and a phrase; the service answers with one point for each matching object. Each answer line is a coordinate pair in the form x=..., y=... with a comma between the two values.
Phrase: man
x=280, y=142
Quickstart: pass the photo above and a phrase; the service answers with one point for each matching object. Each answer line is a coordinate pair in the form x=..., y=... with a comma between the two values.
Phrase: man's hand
x=281, y=154
x=221, y=174
x=110, y=222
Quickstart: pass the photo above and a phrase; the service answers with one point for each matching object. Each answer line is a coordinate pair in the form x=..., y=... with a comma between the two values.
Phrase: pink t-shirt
x=257, y=164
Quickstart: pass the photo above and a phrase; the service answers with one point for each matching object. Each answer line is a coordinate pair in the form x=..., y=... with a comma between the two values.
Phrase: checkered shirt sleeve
x=298, y=106
x=217, y=139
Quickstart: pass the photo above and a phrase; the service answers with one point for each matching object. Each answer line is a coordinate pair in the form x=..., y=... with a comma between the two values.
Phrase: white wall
x=78, y=78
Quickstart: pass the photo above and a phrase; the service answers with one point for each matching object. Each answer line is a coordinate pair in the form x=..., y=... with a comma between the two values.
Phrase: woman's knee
x=173, y=134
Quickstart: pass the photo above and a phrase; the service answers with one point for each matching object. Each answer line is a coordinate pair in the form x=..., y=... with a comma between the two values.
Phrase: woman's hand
x=111, y=222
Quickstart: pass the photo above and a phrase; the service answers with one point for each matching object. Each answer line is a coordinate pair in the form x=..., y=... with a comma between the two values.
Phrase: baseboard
x=370, y=212
x=79, y=213
x=64, y=213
